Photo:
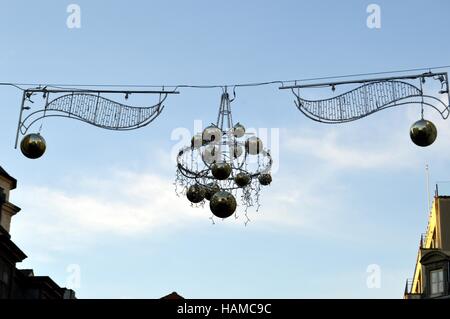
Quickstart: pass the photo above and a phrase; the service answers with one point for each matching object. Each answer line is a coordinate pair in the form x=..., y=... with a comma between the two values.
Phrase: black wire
x=250, y=84
x=371, y=73
x=13, y=85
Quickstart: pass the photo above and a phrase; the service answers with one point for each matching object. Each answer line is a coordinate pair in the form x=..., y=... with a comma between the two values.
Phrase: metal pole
x=448, y=88
x=406, y=77
x=20, y=118
x=101, y=91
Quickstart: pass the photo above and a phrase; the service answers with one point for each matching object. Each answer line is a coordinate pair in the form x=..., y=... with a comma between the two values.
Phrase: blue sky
x=344, y=197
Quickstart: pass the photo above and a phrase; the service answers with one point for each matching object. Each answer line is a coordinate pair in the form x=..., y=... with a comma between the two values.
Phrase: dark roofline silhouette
x=7, y=176
x=172, y=296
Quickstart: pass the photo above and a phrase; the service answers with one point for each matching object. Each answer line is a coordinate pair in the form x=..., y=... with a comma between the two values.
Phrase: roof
x=5, y=174
x=172, y=295
x=8, y=249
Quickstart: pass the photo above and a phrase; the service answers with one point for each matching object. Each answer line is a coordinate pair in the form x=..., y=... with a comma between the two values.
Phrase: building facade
x=20, y=283
x=432, y=270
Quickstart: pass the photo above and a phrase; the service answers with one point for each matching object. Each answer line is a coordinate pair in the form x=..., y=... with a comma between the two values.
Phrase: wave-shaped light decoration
x=370, y=97
x=92, y=108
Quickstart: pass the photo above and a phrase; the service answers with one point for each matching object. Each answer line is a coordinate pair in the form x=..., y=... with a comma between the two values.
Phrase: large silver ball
x=221, y=171
x=239, y=130
x=222, y=204
x=242, y=179
x=33, y=146
x=211, y=189
x=212, y=134
x=265, y=179
x=253, y=145
x=195, y=193
x=211, y=154
x=423, y=133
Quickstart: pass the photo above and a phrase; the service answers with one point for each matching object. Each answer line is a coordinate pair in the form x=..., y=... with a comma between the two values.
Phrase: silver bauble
x=210, y=190
x=221, y=171
x=195, y=193
x=222, y=204
x=33, y=145
x=253, y=145
x=239, y=130
x=242, y=179
x=265, y=179
x=212, y=134
x=423, y=133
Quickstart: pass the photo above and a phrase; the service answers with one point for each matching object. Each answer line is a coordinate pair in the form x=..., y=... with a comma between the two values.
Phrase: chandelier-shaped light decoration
x=224, y=167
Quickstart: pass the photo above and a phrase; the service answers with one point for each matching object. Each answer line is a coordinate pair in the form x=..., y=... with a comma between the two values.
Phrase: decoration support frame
x=91, y=107
x=372, y=96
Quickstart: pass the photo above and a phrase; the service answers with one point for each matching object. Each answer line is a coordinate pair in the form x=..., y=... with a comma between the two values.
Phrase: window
x=437, y=281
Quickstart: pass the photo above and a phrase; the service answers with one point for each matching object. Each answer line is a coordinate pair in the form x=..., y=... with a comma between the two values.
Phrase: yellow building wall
x=437, y=236
x=443, y=223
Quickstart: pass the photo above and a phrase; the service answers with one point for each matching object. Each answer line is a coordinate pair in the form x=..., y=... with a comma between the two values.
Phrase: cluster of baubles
x=423, y=133
x=222, y=203
x=33, y=145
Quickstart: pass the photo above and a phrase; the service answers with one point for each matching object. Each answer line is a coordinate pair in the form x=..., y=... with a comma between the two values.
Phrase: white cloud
x=128, y=203
x=370, y=144
x=379, y=141
x=333, y=149
x=93, y=209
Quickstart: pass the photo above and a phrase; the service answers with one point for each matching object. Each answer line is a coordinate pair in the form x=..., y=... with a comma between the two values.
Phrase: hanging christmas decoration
x=33, y=146
x=423, y=133
x=359, y=98
x=373, y=95
x=89, y=106
x=225, y=166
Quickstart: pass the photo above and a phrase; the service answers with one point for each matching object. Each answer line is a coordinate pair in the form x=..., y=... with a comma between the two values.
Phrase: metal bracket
x=90, y=106
x=372, y=95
